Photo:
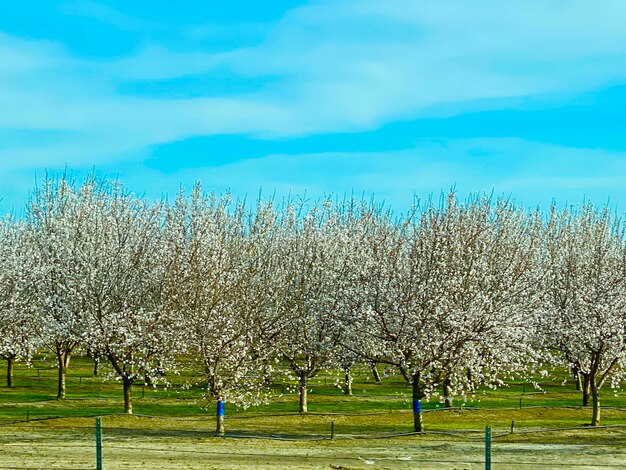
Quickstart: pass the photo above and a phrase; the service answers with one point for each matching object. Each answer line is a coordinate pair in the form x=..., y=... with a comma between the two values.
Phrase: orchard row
x=453, y=294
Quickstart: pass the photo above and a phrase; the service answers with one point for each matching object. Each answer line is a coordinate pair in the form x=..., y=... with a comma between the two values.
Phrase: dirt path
x=74, y=451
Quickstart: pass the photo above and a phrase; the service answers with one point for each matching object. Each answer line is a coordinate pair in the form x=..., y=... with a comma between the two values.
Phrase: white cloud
x=27, y=56
x=423, y=54
x=532, y=172
x=156, y=63
x=338, y=66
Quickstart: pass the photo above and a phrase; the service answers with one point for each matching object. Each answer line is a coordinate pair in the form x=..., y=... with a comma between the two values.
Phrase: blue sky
x=394, y=98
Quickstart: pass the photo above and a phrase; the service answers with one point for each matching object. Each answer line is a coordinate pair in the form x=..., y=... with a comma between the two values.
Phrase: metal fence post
x=488, y=448
x=98, y=444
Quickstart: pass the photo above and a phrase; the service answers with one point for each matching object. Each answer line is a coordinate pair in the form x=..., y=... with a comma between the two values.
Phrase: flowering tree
x=447, y=291
x=212, y=288
x=122, y=266
x=452, y=295
x=354, y=219
x=57, y=218
x=307, y=291
x=19, y=330
x=584, y=319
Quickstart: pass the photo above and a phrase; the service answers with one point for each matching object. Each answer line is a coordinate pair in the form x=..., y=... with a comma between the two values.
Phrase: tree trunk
x=96, y=363
x=348, y=382
x=447, y=393
x=577, y=377
x=303, y=393
x=267, y=375
x=220, y=416
x=62, y=370
x=63, y=360
x=10, y=362
x=586, y=388
x=470, y=380
x=128, y=398
x=375, y=372
x=595, y=394
x=418, y=394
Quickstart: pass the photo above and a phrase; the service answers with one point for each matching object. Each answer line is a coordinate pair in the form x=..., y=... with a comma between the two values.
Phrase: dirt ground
x=66, y=449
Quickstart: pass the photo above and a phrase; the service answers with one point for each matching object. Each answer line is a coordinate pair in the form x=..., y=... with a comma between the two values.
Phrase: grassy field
x=173, y=427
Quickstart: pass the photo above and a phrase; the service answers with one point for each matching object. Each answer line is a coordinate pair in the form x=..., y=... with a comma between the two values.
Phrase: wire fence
x=151, y=441
x=30, y=416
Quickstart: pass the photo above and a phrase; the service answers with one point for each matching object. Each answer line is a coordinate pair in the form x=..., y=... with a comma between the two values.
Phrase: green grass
x=34, y=393
x=173, y=427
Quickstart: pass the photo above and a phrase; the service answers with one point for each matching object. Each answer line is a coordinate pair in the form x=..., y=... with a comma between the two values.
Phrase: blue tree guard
x=417, y=406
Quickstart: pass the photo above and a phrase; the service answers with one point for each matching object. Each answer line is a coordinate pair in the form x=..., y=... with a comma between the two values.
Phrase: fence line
x=467, y=435
x=497, y=461
x=257, y=415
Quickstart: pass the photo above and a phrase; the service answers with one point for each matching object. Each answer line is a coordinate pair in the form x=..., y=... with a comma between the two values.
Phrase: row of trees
x=455, y=295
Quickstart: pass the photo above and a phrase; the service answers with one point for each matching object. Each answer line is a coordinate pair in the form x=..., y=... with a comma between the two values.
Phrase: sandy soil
x=76, y=450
